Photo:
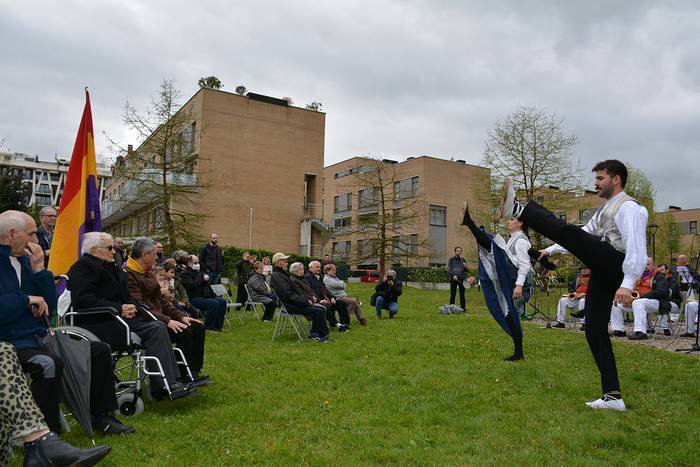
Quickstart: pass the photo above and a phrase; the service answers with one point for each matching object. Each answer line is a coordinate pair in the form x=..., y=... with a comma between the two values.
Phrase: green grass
x=420, y=389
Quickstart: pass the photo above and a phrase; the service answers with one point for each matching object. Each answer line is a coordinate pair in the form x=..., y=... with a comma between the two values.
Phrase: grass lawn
x=420, y=389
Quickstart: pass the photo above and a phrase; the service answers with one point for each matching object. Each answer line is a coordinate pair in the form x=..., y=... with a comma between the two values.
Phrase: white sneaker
x=607, y=403
x=509, y=206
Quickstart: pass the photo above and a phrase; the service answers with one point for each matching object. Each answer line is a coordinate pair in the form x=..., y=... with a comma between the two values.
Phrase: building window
x=343, y=223
x=43, y=200
x=693, y=227
x=367, y=222
x=407, y=188
x=341, y=250
x=188, y=140
x=368, y=197
x=55, y=177
x=438, y=216
x=342, y=202
x=405, y=245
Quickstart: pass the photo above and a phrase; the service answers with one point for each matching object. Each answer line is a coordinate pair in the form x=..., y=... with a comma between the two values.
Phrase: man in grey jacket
x=457, y=269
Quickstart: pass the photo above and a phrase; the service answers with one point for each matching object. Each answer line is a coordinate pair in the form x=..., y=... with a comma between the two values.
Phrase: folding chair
x=221, y=292
x=288, y=322
x=255, y=307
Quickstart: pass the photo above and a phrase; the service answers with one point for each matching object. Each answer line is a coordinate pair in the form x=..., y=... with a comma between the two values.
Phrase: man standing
x=211, y=257
x=47, y=219
x=159, y=254
x=119, y=253
x=243, y=269
x=457, y=269
x=612, y=244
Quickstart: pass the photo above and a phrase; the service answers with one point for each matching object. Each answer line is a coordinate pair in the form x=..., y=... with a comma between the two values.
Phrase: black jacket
x=391, y=293
x=660, y=291
x=243, y=270
x=457, y=266
x=97, y=283
x=195, y=285
x=45, y=239
x=286, y=291
x=211, y=258
x=318, y=286
x=685, y=286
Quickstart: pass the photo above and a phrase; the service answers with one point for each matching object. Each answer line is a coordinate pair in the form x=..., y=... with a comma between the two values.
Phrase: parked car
x=366, y=275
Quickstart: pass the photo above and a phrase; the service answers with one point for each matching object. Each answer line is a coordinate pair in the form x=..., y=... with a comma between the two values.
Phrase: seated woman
x=261, y=292
x=23, y=422
x=336, y=287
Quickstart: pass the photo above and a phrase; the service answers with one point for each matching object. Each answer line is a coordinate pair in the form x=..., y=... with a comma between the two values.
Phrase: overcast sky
x=396, y=78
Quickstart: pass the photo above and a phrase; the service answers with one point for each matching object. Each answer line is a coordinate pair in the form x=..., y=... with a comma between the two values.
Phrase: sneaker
x=321, y=340
x=667, y=332
x=509, y=205
x=559, y=325
x=688, y=334
x=607, y=402
x=619, y=334
x=638, y=336
x=109, y=425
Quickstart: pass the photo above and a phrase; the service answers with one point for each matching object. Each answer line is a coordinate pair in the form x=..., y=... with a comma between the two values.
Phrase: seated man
x=261, y=292
x=654, y=296
x=185, y=332
x=22, y=421
x=95, y=280
x=294, y=301
x=315, y=281
x=336, y=287
x=201, y=295
x=27, y=292
x=386, y=295
x=578, y=301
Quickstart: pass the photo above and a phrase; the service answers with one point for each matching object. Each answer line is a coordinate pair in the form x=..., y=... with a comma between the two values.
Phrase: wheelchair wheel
x=79, y=333
x=127, y=406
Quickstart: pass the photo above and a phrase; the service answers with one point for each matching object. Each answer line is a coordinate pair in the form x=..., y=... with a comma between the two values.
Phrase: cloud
x=396, y=78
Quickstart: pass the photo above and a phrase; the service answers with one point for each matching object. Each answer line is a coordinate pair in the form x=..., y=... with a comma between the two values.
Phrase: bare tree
x=389, y=212
x=162, y=171
x=530, y=147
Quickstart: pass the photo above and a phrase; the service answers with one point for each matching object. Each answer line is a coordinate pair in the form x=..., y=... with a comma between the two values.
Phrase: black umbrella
x=75, y=355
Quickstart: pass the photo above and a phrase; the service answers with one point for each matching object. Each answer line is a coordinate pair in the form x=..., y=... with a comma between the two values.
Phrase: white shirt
x=18, y=269
x=631, y=219
x=521, y=254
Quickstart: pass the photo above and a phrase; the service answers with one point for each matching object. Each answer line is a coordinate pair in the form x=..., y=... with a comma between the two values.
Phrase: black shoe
x=619, y=334
x=177, y=390
x=559, y=325
x=515, y=357
x=667, y=332
x=343, y=328
x=578, y=314
x=638, y=336
x=688, y=334
x=109, y=425
x=52, y=450
x=391, y=316
x=583, y=327
x=197, y=382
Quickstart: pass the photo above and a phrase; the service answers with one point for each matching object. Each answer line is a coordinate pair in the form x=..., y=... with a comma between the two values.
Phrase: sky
x=396, y=78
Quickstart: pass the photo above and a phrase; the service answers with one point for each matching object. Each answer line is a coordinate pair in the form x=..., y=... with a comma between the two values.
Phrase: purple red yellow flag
x=79, y=211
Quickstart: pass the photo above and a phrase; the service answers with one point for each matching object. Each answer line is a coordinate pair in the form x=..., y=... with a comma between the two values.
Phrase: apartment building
x=438, y=186
x=257, y=170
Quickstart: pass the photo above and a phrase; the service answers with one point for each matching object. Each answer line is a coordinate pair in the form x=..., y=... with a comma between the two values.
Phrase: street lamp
x=652, y=230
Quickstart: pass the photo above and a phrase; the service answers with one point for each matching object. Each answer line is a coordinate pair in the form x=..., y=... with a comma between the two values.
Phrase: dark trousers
x=453, y=290
x=241, y=295
x=214, y=278
x=191, y=342
x=605, y=263
x=214, y=310
x=46, y=369
x=317, y=315
x=269, y=311
x=156, y=340
x=343, y=315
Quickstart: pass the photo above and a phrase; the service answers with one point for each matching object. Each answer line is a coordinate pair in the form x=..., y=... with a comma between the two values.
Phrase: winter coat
x=211, y=257
x=259, y=290
x=145, y=290
x=287, y=292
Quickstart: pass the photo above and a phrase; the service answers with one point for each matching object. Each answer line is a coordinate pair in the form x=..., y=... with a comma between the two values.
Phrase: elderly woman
x=23, y=422
x=336, y=287
x=261, y=292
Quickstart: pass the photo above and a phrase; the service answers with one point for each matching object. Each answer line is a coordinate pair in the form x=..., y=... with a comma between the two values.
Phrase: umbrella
x=75, y=355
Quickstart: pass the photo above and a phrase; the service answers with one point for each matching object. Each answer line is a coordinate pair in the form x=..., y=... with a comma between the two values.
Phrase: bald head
x=315, y=267
x=17, y=229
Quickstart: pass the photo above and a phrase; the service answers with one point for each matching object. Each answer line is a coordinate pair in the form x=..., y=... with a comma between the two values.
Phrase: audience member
x=160, y=257
x=653, y=290
x=315, y=280
x=27, y=292
x=261, y=292
x=211, y=259
x=337, y=287
x=294, y=301
x=185, y=332
x=575, y=299
x=457, y=270
x=180, y=298
x=23, y=422
x=119, y=253
x=267, y=268
x=96, y=281
x=386, y=295
x=202, y=296
x=47, y=221
x=243, y=269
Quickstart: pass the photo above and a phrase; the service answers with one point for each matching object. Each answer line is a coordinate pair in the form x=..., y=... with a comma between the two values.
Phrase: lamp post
x=652, y=230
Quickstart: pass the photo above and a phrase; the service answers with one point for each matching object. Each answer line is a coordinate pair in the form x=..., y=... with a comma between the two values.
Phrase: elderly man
x=211, y=258
x=27, y=293
x=201, y=295
x=47, y=219
x=96, y=281
x=294, y=301
x=187, y=333
x=325, y=298
x=119, y=253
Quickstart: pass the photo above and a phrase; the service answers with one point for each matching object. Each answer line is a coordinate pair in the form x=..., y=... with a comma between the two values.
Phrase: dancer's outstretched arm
x=481, y=238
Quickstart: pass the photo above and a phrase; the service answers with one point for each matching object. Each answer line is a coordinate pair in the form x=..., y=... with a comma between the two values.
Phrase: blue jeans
x=214, y=310
x=381, y=303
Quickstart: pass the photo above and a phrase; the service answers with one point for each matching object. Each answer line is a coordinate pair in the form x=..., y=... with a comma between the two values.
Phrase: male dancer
x=612, y=244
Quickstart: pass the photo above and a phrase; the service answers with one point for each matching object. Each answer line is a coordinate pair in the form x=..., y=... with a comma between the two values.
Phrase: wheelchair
x=130, y=375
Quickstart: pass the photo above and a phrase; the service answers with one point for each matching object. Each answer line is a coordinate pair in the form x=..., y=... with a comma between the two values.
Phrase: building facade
x=44, y=178
x=258, y=170
x=439, y=188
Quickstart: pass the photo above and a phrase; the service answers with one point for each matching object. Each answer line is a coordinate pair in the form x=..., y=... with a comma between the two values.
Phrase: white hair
x=314, y=262
x=46, y=209
x=16, y=220
x=391, y=272
x=93, y=239
x=294, y=267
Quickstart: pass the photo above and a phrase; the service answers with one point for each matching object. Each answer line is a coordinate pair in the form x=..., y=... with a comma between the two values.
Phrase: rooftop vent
x=461, y=161
x=675, y=208
x=388, y=161
x=267, y=99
